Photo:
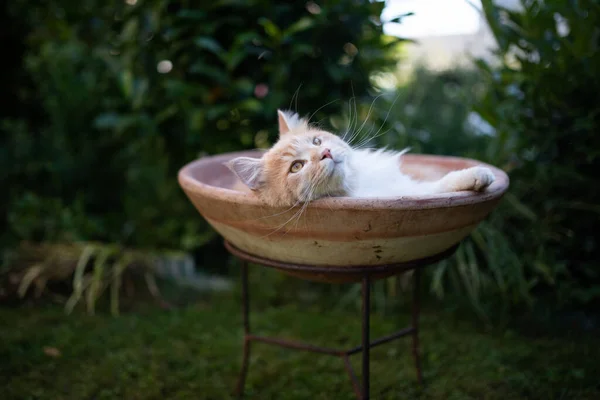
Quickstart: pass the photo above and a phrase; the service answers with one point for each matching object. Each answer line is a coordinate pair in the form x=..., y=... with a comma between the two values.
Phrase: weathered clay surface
x=341, y=231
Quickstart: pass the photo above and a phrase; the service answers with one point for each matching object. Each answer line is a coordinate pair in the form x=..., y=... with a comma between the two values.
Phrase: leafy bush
x=117, y=97
x=544, y=102
x=539, y=101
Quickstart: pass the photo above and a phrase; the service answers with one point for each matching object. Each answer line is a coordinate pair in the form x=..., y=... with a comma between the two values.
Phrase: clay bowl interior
x=341, y=232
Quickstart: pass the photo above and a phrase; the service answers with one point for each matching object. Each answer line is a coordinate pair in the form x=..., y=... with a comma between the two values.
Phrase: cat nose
x=326, y=154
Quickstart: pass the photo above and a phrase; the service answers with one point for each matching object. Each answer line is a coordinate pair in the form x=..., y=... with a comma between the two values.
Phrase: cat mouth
x=336, y=160
x=332, y=168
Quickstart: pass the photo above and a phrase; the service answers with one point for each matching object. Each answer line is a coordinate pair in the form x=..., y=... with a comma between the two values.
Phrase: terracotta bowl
x=341, y=231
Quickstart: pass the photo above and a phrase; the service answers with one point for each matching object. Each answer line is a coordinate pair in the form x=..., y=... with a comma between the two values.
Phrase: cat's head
x=306, y=163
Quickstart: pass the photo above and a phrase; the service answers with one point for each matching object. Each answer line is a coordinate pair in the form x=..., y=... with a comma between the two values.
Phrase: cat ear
x=289, y=120
x=249, y=170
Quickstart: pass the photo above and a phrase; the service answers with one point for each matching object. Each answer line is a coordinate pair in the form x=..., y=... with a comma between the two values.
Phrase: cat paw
x=482, y=178
x=474, y=179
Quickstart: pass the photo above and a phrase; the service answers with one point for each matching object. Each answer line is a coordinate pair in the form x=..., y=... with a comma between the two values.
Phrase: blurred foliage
x=112, y=98
x=533, y=110
x=430, y=112
x=93, y=268
x=544, y=102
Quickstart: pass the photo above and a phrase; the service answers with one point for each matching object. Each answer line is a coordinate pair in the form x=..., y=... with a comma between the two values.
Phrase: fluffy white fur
x=377, y=174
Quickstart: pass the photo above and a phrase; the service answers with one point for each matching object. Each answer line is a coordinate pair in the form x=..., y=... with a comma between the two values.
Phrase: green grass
x=193, y=352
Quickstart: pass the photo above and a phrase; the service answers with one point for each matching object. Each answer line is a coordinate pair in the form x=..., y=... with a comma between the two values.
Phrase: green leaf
x=492, y=16
x=234, y=58
x=100, y=266
x=86, y=280
x=217, y=74
x=400, y=17
x=244, y=85
x=545, y=271
x=301, y=25
x=252, y=105
x=303, y=49
x=130, y=30
x=79, y=283
x=437, y=282
x=140, y=92
x=32, y=273
x=107, y=120
x=166, y=113
x=209, y=44
x=270, y=28
x=192, y=14
x=86, y=255
x=126, y=83
x=520, y=207
x=244, y=38
x=217, y=111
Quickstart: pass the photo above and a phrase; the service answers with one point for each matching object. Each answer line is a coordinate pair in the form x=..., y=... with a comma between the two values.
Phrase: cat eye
x=296, y=166
x=316, y=141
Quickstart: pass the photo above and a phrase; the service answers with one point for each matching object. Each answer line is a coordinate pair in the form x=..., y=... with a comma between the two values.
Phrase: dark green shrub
x=94, y=150
x=540, y=96
x=544, y=102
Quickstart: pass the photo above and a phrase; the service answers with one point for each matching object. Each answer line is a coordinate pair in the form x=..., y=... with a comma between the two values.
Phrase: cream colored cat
x=307, y=163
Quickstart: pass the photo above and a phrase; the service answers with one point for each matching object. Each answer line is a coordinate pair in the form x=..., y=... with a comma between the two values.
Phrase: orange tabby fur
x=276, y=186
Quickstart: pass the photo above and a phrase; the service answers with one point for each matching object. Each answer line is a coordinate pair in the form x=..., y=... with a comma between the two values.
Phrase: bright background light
x=432, y=17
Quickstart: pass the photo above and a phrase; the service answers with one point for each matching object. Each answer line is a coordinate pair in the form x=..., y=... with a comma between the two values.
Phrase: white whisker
x=357, y=133
x=282, y=225
x=295, y=97
x=355, y=110
x=367, y=138
x=320, y=108
x=279, y=213
x=303, y=208
x=366, y=142
x=298, y=214
x=349, y=120
x=352, y=120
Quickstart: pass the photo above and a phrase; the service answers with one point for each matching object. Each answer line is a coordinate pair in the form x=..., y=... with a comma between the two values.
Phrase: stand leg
x=245, y=313
x=416, y=309
x=366, y=346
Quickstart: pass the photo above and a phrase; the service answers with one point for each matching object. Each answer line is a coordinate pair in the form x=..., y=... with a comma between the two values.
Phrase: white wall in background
x=448, y=32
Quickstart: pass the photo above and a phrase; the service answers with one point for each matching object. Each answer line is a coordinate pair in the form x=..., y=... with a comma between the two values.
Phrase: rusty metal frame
x=361, y=390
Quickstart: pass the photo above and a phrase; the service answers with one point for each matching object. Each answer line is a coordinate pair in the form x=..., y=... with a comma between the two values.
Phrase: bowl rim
x=442, y=200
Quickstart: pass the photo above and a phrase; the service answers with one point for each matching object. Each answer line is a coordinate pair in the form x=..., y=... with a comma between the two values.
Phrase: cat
x=308, y=163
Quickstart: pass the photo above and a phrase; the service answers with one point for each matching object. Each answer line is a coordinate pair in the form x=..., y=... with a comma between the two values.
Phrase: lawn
x=194, y=352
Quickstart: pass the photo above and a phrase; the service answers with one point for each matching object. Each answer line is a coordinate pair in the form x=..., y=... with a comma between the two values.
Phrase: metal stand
x=366, y=275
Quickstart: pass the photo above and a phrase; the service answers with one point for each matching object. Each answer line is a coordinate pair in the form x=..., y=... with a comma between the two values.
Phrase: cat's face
x=305, y=164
